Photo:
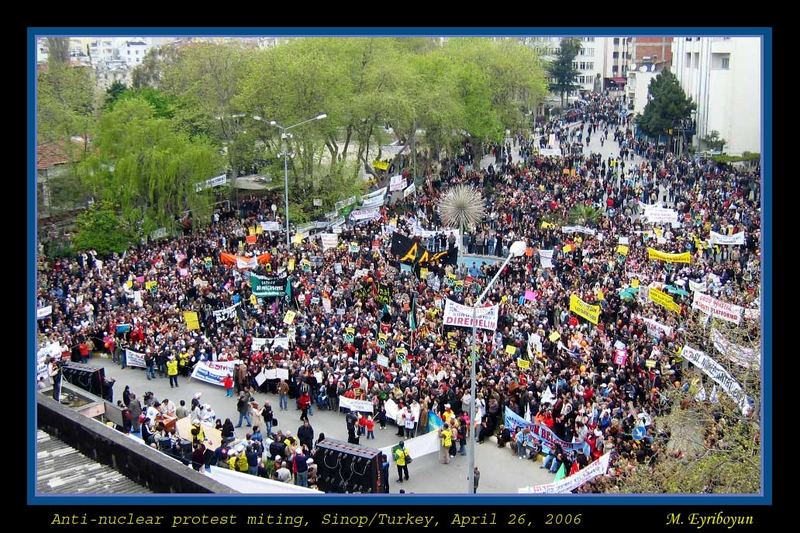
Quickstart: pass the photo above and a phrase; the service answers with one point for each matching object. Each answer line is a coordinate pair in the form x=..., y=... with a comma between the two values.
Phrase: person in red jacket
x=228, y=384
x=370, y=425
x=304, y=402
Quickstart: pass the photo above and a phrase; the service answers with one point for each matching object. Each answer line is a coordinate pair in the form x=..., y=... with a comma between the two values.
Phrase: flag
x=288, y=289
x=713, y=398
x=412, y=314
x=561, y=474
x=701, y=396
x=434, y=422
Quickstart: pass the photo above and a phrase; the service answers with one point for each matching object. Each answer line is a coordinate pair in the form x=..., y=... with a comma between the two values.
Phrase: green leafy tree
x=113, y=93
x=667, y=106
x=57, y=50
x=65, y=103
x=585, y=215
x=561, y=70
x=143, y=164
x=100, y=228
x=714, y=141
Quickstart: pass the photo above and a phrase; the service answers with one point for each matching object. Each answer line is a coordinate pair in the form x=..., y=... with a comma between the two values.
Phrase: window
x=697, y=60
x=582, y=65
x=590, y=65
x=615, y=55
x=720, y=61
x=575, y=65
x=615, y=69
x=726, y=63
x=688, y=59
x=616, y=40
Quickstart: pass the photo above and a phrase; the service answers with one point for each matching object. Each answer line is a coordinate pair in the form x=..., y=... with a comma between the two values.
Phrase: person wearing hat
x=401, y=459
x=172, y=371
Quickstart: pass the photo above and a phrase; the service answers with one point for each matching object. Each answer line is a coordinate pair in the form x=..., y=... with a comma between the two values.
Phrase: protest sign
x=134, y=358
x=361, y=406
x=570, y=483
x=584, y=310
x=329, y=241
x=213, y=372
x=578, y=229
x=288, y=318
x=720, y=375
x=44, y=312
x=727, y=240
x=663, y=299
x=226, y=314
x=717, y=308
x=655, y=255
x=282, y=373
x=745, y=357
x=459, y=315
x=268, y=286
x=656, y=329
x=546, y=258
x=397, y=183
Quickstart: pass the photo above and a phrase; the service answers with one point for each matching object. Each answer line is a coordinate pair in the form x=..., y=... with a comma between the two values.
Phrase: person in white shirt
x=283, y=474
x=167, y=407
x=410, y=423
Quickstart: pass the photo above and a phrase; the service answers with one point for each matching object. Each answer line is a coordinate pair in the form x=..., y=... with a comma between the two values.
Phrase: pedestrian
x=370, y=425
x=172, y=371
x=476, y=476
x=283, y=395
x=401, y=459
x=227, y=383
x=243, y=407
x=445, y=440
x=299, y=461
x=182, y=411
x=305, y=434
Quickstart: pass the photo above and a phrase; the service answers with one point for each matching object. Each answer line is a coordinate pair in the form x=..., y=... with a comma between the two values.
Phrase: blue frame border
x=765, y=498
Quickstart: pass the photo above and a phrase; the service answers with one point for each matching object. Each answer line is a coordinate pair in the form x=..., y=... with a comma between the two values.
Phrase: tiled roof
x=61, y=469
x=49, y=155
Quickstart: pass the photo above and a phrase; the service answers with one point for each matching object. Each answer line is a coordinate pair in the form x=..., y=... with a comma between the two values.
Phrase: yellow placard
x=251, y=230
x=554, y=336
x=655, y=255
x=523, y=363
x=663, y=299
x=601, y=295
x=511, y=349
x=289, y=317
x=584, y=310
x=567, y=248
x=297, y=239
x=546, y=225
x=150, y=284
x=380, y=165
x=658, y=231
x=622, y=249
x=290, y=266
x=253, y=299
x=192, y=322
x=635, y=283
x=259, y=229
x=423, y=273
x=129, y=284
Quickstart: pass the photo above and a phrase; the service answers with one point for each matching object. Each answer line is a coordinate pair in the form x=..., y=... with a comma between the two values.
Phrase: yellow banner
x=150, y=284
x=290, y=266
x=288, y=319
x=511, y=349
x=655, y=255
x=253, y=299
x=523, y=364
x=635, y=283
x=251, y=230
x=664, y=300
x=554, y=336
x=380, y=165
x=584, y=310
x=622, y=249
x=192, y=322
x=567, y=248
x=546, y=225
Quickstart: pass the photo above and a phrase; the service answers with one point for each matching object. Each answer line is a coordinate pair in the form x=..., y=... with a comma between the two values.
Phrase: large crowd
x=102, y=304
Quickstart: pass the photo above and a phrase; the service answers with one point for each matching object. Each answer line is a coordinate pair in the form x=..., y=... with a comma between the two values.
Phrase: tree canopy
x=668, y=105
x=563, y=74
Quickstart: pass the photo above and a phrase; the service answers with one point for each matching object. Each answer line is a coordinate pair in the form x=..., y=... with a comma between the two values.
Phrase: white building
x=589, y=62
x=616, y=59
x=636, y=89
x=722, y=75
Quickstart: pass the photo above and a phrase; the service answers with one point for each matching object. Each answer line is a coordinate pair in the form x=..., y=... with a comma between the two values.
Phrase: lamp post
x=517, y=249
x=285, y=154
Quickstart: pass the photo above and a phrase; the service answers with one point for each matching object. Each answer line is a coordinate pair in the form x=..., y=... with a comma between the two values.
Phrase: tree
x=100, y=228
x=65, y=106
x=562, y=73
x=57, y=50
x=148, y=168
x=667, y=106
x=714, y=141
x=584, y=215
x=116, y=90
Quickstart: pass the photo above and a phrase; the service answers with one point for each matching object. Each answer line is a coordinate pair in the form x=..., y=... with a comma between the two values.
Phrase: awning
x=620, y=81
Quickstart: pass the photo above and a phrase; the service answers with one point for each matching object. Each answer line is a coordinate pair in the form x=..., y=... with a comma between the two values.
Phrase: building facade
x=652, y=51
x=722, y=75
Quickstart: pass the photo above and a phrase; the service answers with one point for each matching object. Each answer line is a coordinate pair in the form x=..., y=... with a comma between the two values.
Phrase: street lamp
x=517, y=249
x=285, y=155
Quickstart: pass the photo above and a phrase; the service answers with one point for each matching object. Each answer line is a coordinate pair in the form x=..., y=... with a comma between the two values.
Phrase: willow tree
x=148, y=169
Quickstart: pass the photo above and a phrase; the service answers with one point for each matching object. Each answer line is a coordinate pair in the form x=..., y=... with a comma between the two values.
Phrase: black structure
x=347, y=468
x=86, y=377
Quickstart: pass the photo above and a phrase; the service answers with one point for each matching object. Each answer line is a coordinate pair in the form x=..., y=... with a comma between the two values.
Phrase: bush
x=100, y=229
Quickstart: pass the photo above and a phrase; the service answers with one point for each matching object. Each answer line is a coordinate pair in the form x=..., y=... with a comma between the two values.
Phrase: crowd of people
x=572, y=382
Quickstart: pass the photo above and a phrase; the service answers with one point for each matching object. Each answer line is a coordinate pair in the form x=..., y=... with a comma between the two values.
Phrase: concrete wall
x=142, y=464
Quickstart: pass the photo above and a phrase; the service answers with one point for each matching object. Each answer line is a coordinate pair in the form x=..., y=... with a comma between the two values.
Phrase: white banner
x=271, y=226
x=243, y=263
x=134, y=358
x=276, y=342
x=578, y=229
x=660, y=215
x=227, y=313
x=656, y=329
x=373, y=194
x=464, y=316
x=44, y=312
x=213, y=372
x=719, y=374
x=246, y=484
x=213, y=182
x=362, y=406
x=752, y=314
x=408, y=191
x=549, y=152
x=366, y=214
x=418, y=446
x=568, y=484
x=718, y=238
x=738, y=354
x=546, y=257
x=697, y=287
x=377, y=201
x=717, y=308
x=383, y=361
x=397, y=183
x=282, y=373
x=329, y=240
x=623, y=240
x=391, y=409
